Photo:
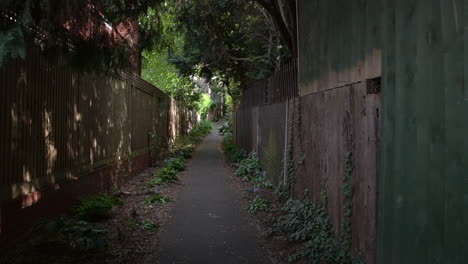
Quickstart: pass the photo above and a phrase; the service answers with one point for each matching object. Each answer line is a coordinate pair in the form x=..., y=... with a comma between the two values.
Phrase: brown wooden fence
x=312, y=134
x=58, y=125
x=279, y=87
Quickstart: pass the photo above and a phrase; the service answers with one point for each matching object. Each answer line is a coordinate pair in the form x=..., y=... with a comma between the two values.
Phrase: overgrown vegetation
x=300, y=221
x=157, y=198
x=77, y=229
x=258, y=203
x=233, y=153
x=82, y=228
x=251, y=170
x=96, y=208
x=182, y=150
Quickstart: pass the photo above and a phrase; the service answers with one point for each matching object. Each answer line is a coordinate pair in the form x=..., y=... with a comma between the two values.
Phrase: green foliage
x=185, y=150
x=83, y=235
x=205, y=105
x=233, y=152
x=201, y=129
x=157, y=199
x=347, y=204
x=177, y=164
x=232, y=40
x=251, y=170
x=164, y=175
x=97, y=207
x=257, y=204
x=149, y=225
x=157, y=70
x=250, y=167
x=307, y=222
x=99, y=50
x=78, y=234
x=12, y=44
x=226, y=127
x=155, y=147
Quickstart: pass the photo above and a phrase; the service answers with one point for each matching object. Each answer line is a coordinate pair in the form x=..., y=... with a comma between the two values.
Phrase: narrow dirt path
x=208, y=225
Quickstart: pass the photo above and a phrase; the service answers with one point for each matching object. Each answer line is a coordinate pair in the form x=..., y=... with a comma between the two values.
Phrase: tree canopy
x=236, y=41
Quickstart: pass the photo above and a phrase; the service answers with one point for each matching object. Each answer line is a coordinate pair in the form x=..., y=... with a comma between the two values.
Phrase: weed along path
x=208, y=225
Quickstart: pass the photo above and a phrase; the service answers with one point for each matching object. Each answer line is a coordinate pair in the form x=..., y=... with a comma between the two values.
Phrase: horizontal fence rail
x=279, y=87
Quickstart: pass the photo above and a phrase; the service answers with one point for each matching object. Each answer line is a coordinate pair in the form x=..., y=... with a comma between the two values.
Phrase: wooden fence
x=312, y=134
x=59, y=125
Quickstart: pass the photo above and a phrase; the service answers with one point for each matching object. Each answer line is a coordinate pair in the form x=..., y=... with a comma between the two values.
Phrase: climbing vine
x=285, y=189
x=347, y=205
x=308, y=222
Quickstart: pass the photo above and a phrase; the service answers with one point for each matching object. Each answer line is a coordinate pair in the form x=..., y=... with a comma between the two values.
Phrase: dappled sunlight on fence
x=59, y=125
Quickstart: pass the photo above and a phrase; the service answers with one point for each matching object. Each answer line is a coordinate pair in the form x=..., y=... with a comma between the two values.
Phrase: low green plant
x=185, y=150
x=95, y=208
x=167, y=174
x=83, y=235
x=157, y=198
x=177, y=164
x=250, y=167
x=307, y=222
x=263, y=182
x=225, y=128
x=258, y=203
x=77, y=234
x=233, y=153
x=148, y=225
x=154, y=182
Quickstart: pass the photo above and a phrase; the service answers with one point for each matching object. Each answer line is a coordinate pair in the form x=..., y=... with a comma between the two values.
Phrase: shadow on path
x=208, y=225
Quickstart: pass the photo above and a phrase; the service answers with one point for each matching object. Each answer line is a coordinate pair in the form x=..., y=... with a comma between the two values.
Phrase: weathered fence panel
x=271, y=139
x=67, y=134
x=423, y=185
x=282, y=85
x=334, y=123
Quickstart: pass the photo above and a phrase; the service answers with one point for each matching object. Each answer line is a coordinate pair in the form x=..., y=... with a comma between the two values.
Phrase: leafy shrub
x=186, y=151
x=307, y=222
x=233, y=153
x=250, y=167
x=83, y=235
x=157, y=199
x=167, y=174
x=78, y=234
x=164, y=175
x=258, y=204
x=97, y=207
x=177, y=164
x=225, y=128
x=263, y=182
x=251, y=170
x=148, y=225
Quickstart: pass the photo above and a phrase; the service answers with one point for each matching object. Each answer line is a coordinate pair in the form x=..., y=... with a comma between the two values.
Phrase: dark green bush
x=258, y=203
x=97, y=207
x=304, y=221
x=225, y=128
x=78, y=234
x=157, y=198
x=233, y=153
x=250, y=167
x=177, y=164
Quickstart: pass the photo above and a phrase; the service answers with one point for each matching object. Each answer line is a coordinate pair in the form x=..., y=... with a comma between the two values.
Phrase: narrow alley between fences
x=209, y=224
